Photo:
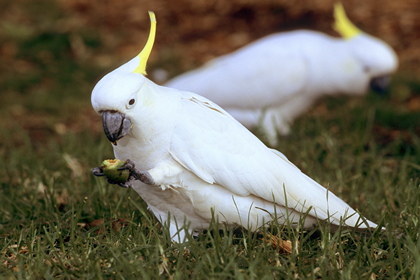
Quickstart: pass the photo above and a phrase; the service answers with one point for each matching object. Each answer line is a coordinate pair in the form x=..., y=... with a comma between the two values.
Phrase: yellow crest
x=342, y=24
x=145, y=53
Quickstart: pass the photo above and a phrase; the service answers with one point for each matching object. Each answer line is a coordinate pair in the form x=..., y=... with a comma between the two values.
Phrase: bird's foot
x=97, y=171
x=143, y=176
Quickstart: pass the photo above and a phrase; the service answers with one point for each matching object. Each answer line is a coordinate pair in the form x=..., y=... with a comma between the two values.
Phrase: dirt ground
x=191, y=32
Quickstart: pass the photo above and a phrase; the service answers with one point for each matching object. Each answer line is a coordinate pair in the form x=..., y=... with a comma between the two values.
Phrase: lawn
x=59, y=221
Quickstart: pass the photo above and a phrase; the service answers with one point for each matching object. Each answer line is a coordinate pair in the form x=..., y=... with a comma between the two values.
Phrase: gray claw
x=143, y=176
x=122, y=185
x=129, y=165
x=97, y=171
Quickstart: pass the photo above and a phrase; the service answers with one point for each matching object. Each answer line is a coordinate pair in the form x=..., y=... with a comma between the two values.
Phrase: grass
x=59, y=221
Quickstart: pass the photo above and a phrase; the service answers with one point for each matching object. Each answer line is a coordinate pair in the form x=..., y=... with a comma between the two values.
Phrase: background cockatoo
x=274, y=80
x=190, y=159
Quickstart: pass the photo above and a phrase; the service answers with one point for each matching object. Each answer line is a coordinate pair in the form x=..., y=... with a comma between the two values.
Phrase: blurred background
x=52, y=52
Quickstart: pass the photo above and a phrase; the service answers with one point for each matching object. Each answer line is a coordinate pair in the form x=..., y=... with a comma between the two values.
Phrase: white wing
x=216, y=148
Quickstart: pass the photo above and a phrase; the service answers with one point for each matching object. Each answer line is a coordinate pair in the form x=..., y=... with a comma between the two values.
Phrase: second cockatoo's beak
x=116, y=125
x=380, y=84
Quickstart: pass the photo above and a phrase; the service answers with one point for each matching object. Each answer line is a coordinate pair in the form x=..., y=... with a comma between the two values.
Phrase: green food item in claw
x=110, y=168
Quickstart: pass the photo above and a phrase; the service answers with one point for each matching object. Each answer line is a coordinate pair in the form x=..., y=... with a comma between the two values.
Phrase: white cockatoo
x=274, y=80
x=190, y=160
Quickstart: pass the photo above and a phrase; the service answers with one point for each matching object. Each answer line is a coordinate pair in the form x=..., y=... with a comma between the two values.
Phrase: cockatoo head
x=378, y=59
x=116, y=94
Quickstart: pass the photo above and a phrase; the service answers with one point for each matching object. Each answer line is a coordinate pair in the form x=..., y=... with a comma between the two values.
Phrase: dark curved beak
x=115, y=124
x=380, y=84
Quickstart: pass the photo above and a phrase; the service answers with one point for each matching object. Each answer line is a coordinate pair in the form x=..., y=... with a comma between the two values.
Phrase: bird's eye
x=131, y=102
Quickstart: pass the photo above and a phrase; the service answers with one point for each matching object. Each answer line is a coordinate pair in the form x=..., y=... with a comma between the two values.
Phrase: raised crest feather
x=342, y=24
x=145, y=53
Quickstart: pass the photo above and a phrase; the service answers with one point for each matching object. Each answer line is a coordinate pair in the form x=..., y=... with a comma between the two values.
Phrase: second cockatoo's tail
x=276, y=79
x=190, y=160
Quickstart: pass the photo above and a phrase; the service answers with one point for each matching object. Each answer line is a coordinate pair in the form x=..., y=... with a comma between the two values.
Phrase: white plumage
x=274, y=80
x=199, y=159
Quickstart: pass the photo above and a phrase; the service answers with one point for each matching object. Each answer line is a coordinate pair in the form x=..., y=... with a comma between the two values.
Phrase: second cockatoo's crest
x=342, y=24
x=145, y=53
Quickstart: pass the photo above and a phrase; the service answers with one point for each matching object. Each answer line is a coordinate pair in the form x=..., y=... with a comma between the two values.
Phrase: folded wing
x=219, y=150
